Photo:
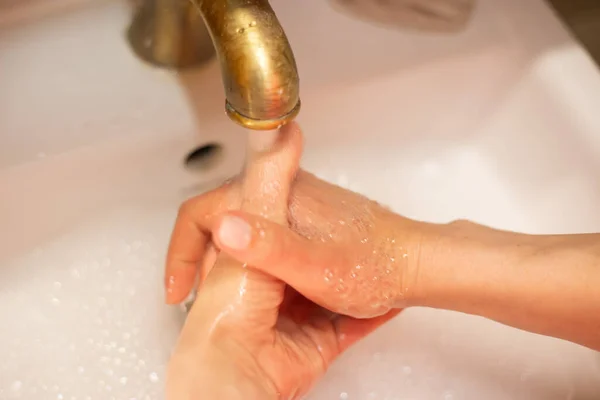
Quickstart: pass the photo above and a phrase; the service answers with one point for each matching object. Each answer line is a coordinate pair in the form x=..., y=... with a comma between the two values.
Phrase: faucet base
x=170, y=34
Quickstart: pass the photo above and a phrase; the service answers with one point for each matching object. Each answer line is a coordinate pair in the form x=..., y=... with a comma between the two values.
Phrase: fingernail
x=235, y=233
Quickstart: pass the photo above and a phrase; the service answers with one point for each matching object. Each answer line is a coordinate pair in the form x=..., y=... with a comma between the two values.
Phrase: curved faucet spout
x=257, y=63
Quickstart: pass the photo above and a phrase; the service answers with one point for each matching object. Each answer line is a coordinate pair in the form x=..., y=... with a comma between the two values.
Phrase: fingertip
x=175, y=297
x=178, y=286
x=248, y=238
x=294, y=137
x=233, y=231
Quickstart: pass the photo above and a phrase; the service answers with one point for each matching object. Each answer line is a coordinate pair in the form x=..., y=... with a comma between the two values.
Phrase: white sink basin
x=498, y=124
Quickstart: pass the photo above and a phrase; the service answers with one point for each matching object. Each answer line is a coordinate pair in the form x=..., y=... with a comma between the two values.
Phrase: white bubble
x=16, y=386
x=153, y=376
x=448, y=396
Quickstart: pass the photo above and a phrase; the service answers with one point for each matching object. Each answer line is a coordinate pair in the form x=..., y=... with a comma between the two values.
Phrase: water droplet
x=392, y=259
x=252, y=24
x=388, y=271
x=342, y=222
x=153, y=376
x=57, y=285
x=123, y=380
x=448, y=396
x=16, y=386
x=241, y=30
x=365, y=240
x=358, y=266
x=328, y=275
x=404, y=255
x=407, y=370
x=55, y=301
x=353, y=275
x=344, y=396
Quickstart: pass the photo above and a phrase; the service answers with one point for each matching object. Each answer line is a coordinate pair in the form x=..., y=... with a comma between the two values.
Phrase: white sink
x=500, y=124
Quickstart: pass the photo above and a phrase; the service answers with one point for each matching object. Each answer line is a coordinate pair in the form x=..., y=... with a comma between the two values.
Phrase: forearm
x=544, y=284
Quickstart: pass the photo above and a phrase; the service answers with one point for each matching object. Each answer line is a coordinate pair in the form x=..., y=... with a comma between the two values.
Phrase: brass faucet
x=257, y=63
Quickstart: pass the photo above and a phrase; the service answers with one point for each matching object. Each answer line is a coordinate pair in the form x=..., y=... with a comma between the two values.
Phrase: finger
x=351, y=330
x=188, y=243
x=265, y=188
x=269, y=175
x=208, y=262
x=279, y=252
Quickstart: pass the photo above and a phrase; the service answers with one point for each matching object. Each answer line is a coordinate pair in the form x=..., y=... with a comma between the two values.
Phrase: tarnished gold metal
x=170, y=34
x=259, y=71
x=257, y=64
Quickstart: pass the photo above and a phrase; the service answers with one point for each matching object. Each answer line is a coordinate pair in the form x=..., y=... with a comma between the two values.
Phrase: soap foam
x=87, y=318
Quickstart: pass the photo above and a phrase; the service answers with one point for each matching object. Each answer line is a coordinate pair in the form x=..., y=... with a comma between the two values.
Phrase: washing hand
x=354, y=257
x=246, y=336
x=346, y=252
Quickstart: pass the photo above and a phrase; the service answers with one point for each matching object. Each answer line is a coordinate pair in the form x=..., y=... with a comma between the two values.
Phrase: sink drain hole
x=205, y=157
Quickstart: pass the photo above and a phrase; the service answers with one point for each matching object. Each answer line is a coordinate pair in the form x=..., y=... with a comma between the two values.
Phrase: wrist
x=463, y=265
x=216, y=367
x=414, y=246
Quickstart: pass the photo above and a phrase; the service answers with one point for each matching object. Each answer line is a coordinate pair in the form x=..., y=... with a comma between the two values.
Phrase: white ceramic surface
x=499, y=124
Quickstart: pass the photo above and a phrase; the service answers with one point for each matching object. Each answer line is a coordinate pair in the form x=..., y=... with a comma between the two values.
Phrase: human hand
x=243, y=338
x=346, y=252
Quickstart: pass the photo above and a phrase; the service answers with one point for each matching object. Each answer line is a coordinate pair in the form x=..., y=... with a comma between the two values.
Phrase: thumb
x=310, y=268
